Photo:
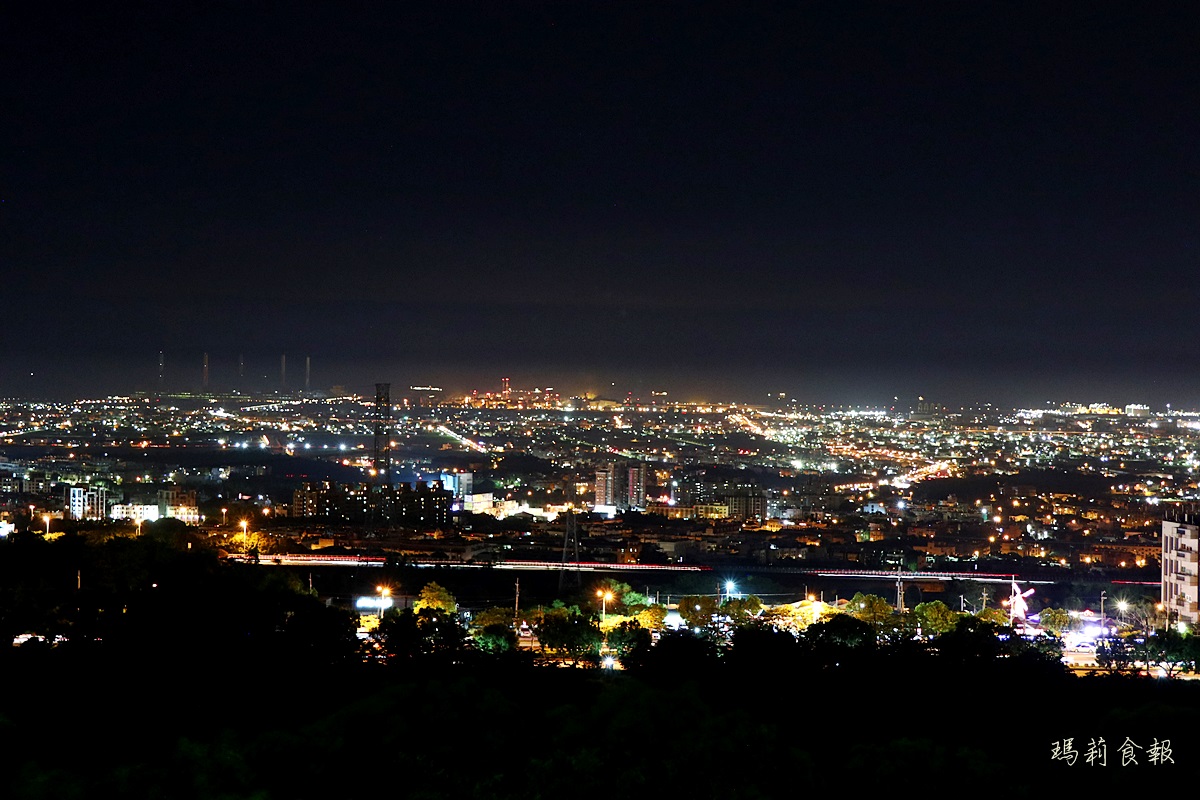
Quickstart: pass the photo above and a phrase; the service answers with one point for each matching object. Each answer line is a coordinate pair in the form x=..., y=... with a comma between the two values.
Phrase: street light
x=245, y=537
x=604, y=598
x=384, y=592
x=46, y=519
x=1102, y=596
x=224, y=511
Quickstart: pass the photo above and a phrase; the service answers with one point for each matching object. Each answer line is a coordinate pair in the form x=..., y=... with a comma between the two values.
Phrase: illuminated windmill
x=1017, y=607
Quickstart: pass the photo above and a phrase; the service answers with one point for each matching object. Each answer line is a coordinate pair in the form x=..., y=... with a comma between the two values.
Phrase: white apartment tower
x=85, y=503
x=1181, y=567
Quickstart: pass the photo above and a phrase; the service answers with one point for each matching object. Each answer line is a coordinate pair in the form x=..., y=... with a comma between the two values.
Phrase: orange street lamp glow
x=604, y=598
x=383, y=595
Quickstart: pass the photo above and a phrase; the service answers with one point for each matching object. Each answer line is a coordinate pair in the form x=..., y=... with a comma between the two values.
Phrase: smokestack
x=307, y=371
x=204, y=380
x=241, y=367
x=283, y=371
x=160, y=370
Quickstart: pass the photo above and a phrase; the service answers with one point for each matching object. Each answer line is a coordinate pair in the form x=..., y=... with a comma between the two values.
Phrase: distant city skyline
x=260, y=374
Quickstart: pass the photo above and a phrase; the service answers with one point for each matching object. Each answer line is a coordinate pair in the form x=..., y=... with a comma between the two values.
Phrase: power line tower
x=381, y=482
x=383, y=424
x=570, y=548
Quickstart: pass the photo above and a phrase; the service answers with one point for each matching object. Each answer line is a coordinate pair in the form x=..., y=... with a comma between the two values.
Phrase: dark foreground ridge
x=167, y=728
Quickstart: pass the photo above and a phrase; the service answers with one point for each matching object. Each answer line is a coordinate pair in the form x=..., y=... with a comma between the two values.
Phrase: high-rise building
x=87, y=503
x=425, y=505
x=745, y=504
x=1181, y=567
x=636, y=486
x=604, y=486
x=614, y=485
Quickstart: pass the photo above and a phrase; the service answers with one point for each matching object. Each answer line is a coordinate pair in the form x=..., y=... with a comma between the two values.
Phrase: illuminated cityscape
x=584, y=399
x=1075, y=489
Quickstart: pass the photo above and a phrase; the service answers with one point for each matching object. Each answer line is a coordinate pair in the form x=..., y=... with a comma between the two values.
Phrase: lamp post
x=604, y=598
x=245, y=536
x=384, y=592
x=224, y=520
x=46, y=519
x=1102, y=596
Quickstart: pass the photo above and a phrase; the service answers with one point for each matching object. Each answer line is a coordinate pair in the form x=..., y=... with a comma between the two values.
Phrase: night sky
x=842, y=201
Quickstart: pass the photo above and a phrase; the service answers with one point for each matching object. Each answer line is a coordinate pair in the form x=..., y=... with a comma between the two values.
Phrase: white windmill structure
x=1017, y=607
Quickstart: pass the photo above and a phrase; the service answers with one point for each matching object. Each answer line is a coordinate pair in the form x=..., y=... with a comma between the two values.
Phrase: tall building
x=745, y=504
x=636, y=486
x=605, y=479
x=87, y=503
x=1181, y=567
x=622, y=484
x=425, y=505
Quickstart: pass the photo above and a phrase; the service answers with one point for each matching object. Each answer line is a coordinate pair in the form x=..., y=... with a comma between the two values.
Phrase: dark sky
x=842, y=201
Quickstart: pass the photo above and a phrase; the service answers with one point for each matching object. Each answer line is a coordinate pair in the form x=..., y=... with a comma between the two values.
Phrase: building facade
x=1181, y=567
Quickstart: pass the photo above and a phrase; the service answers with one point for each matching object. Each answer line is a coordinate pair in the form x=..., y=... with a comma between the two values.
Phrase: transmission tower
x=381, y=482
x=570, y=552
x=383, y=424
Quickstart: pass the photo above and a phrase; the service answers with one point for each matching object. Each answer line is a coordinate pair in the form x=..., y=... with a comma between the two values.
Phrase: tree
x=741, y=609
x=972, y=639
x=492, y=616
x=935, y=617
x=628, y=636
x=995, y=616
x=406, y=635
x=699, y=611
x=653, y=617
x=757, y=646
x=677, y=653
x=837, y=639
x=320, y=634
x=623, y=596
x=399, y=635
x=1115, y=655
x=496, y=639
x=570, y=634
x=435, y=597
x=1170, y=650
x=871, y=609
x=1055, y=620
x=785, y=618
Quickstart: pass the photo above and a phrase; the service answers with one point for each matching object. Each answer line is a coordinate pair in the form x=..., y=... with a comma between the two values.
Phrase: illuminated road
x=318, y=560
